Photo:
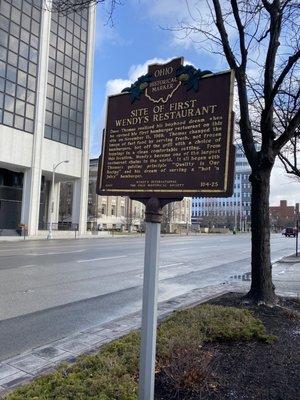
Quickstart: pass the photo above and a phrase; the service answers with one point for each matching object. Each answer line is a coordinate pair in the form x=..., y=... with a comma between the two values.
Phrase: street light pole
x=50, y=235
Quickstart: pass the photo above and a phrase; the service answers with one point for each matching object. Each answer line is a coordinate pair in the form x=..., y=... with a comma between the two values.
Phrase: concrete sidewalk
x=27, y=366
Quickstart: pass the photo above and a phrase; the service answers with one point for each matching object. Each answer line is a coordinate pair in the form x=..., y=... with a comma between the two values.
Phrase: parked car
x=287, y=232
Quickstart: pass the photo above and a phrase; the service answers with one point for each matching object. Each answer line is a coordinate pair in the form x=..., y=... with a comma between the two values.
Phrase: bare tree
x=260, y=41
x=67, y=6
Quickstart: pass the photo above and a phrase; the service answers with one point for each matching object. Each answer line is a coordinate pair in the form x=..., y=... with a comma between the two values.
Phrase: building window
x=66, y=77
x=19, y=44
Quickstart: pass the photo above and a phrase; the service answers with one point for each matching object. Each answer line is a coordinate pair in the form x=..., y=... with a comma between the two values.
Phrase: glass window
x=12, y=58
x=13, y=44
x=59, y=82
x=19, y=122
x=26, y=8
x=21, y=92
x=48, y=118
x=66, y=99
x=29, y=125
x=78, y=142
x=36, y=14
x=3, y=53
x=31, y=82
x=25, y=22
x=60, y=57
x=32, y=69
x=30, y=98
x=57, y=108
x=57, y=95
x=34, y=41
x=22, y=78
x=71, y=141
x=8, y=118
x=65, y=111
x=23, y=64
x=56, y=121
x=48, y=132
x=4, y=22
x=74, y=90
x=64, y=124
x=49, y=105
x=33, y=55
x=35, y=28
x=2, y=69
x=24, y=49
x=14, y=29
x=64, y=137
x=9, y=103
x=16, y=15
x=20, y=107
x=55, y=134
x=51, y=78
x=2, y=83
x=29, y=111
x=50, y=91
x=10, y=88
x=11, y=73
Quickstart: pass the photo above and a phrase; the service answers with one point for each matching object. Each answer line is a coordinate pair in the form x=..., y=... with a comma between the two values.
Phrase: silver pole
x=149, y=315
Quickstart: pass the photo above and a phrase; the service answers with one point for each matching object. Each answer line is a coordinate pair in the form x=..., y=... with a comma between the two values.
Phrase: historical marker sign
x=170, y=135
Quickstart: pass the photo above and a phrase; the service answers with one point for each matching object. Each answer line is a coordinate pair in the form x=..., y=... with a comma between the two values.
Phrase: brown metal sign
x=170, y=135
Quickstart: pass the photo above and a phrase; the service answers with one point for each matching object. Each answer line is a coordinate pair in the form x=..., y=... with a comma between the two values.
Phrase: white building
x=232, y=211
x=45, y=102
x=112, y=212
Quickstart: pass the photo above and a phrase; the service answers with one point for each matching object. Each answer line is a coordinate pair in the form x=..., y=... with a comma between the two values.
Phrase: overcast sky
x=137, y=38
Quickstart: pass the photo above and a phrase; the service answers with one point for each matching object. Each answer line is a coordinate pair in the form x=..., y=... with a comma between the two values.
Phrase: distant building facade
x=283, y=216
x=45, y=101
x=227, y=212
x=112, y=212
x=177, y=216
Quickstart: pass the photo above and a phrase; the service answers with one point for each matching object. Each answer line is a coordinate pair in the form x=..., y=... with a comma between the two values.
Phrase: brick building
x=283, y=215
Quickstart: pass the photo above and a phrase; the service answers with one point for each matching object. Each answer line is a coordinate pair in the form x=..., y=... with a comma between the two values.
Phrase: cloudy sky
x=139, y=37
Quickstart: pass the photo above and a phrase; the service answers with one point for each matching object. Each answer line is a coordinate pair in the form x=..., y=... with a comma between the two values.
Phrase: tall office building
x=232, y=211
x=45, y=102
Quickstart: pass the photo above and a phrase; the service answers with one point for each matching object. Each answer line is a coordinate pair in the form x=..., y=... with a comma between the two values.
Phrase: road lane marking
x=55, y=253
x=101, y=258
x=171, y=265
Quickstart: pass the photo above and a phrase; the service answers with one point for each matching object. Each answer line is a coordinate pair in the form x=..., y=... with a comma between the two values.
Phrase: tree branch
x=240, y=27
x=288, y=134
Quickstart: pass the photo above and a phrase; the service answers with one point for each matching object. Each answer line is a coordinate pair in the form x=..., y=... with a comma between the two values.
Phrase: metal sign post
x=169, y=134
x=153, y=218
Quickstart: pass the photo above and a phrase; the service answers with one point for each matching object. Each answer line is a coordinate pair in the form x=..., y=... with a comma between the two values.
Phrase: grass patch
x=112, y=373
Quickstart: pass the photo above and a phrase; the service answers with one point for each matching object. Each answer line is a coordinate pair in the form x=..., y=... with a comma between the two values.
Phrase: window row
x=65, y=73
x=70, y=32
x=14, y=61
x=65, y=124
x=9, y=103
x=17, y=76
x=63, y=137
x=16, y=121
x=68, y=49
x=26, y=7
x=66, y=61
x=20, y=19
x=17, y=91
x=65, y=111
x=18, y=32
x=65, y=98
x=19, y=47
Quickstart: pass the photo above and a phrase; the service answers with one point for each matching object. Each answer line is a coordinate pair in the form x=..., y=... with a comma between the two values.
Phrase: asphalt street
x=52, y=289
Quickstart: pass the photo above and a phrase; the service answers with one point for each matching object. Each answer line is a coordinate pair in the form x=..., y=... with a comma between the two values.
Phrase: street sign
x=170, y=135
x=167, y=136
